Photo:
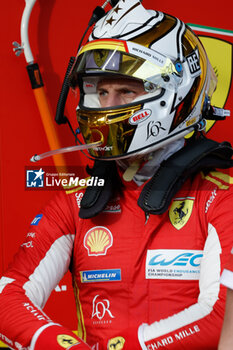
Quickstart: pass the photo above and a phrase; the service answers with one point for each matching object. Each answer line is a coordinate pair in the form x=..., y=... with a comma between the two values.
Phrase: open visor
x=107, y=56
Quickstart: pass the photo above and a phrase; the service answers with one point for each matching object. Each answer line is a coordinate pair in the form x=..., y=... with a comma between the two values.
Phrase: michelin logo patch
x=173, y=264
x=100, y=275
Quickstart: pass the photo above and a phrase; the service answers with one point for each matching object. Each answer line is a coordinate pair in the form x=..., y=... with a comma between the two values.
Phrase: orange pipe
x=48, y=123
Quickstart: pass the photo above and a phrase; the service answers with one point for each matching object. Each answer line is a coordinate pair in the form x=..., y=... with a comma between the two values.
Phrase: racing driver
x=145, y=250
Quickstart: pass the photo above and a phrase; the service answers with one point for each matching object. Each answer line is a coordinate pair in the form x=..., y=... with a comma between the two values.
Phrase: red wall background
x=55, y=30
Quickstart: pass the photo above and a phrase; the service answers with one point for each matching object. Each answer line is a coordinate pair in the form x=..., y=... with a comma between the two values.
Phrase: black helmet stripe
x=180, y=34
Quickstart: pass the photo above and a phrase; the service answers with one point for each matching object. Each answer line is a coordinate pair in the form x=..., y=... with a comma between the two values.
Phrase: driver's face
x=116, y=92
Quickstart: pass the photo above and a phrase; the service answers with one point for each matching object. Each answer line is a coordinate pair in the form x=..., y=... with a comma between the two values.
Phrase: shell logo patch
x=180, y=211
x=65, y=340
x=97, y=240
x=116, y=343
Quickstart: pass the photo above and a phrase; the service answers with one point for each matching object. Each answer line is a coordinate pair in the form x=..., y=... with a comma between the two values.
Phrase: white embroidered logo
x=100, y=308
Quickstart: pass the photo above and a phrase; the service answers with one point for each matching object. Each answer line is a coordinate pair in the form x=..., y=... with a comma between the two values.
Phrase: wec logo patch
x=173, y=264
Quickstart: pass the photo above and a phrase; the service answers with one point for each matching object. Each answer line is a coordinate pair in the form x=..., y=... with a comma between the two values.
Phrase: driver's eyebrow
x=120, y=87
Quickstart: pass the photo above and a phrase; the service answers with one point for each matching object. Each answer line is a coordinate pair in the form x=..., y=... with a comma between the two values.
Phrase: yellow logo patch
x=97, y=240
x=180, y=212
x=116, y=343
x=100, y=57
x=65, y=340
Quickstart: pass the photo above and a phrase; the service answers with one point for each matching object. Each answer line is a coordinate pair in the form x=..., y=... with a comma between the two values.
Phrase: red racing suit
x=139, y=284
x=227, y=275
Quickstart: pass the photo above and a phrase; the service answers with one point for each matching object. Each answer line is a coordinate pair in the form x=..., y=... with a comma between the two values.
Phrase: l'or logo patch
x=180, y=211
x=116, y=343
x=65, y=340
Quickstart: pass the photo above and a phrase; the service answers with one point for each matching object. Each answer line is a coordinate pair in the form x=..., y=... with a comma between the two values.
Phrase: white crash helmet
x=163, y=53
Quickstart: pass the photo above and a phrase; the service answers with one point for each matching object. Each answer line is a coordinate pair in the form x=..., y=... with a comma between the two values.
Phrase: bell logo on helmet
x=140, y=116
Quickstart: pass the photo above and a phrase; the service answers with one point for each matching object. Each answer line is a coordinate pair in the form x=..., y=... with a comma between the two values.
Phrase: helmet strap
x=96, y=198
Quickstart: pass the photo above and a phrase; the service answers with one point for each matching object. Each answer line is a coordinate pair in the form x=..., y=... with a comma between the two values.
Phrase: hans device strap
x=201, y=154
x=96, y=198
